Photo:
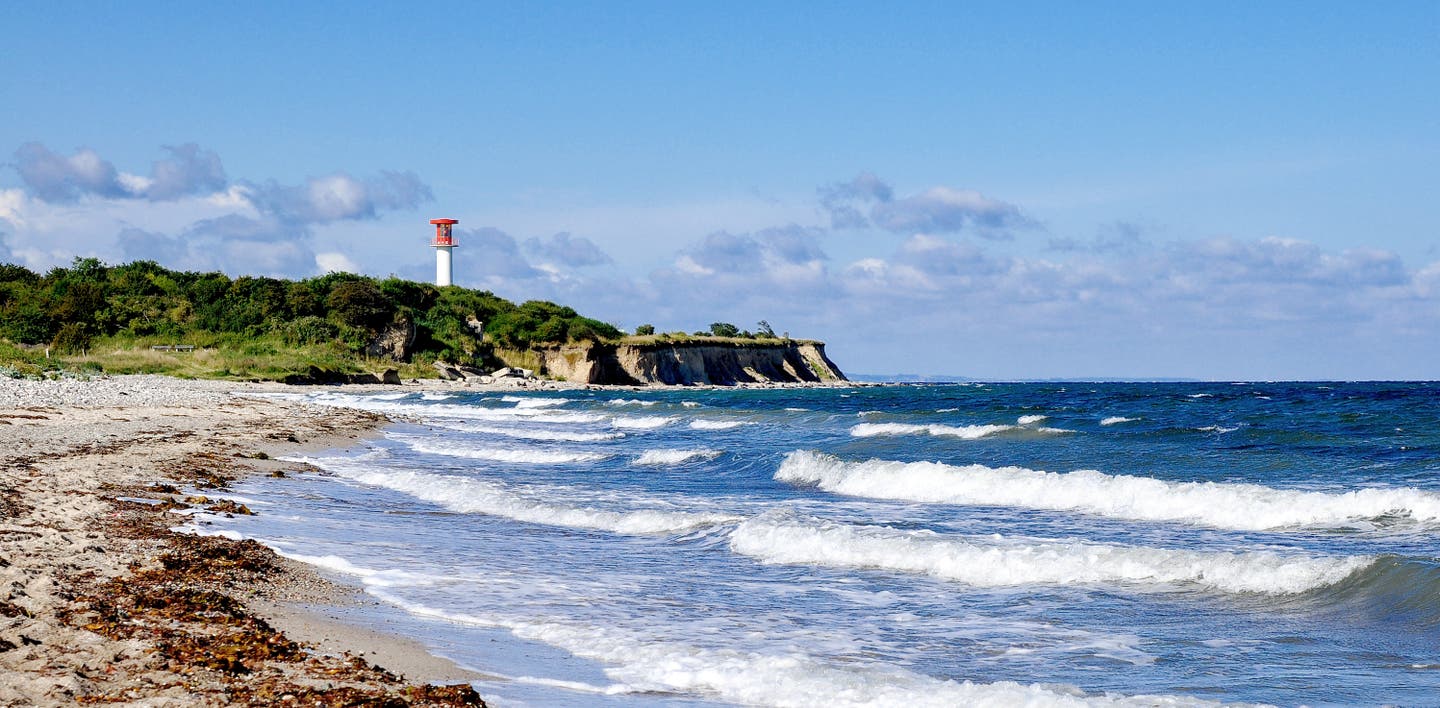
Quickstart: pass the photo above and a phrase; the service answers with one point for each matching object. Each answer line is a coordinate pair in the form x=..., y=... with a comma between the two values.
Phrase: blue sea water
x=970, y=544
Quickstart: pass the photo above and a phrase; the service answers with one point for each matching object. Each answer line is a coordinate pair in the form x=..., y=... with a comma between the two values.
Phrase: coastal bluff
x=724, y=362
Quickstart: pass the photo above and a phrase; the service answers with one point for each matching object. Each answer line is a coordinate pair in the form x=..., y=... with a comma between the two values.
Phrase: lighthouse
x=444, y=243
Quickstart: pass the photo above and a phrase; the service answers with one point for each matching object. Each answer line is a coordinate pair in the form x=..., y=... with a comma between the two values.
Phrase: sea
x=1037, y=544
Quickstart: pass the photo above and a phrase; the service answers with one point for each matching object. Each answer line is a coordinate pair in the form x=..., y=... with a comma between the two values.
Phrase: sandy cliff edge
x=700, y=362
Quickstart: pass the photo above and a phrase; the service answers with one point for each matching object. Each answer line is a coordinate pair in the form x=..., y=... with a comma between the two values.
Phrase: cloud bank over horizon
x=923, y=281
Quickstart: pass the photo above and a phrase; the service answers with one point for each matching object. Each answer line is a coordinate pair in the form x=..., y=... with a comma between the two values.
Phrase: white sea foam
x=418, y=409
x=531, y=433
x=630, y=402
x=468, y=495
x=432, y=396
x=563, y=418
x=1216, y=504
x=690, y=404
x=1030, y=419
x=195, y=530
x=440, y=446
x=643, y=422
x=786, y=678
x=991, y=562
x=1117, y=419
x=521, y=402
x=675, y=457
x=717, y=424
x=1201, y=395
x=1216, y=429
x=965, y=432
x=332, y=563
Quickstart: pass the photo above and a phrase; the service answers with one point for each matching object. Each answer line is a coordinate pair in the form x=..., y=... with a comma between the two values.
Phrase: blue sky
x=1002, y=190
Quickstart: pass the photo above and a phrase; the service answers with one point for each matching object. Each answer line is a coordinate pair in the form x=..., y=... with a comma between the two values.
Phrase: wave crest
x=982, y=562
x=1248, y=507
x=675, y=457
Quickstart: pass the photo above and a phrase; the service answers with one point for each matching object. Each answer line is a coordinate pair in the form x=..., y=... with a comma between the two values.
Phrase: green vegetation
x=95, y=316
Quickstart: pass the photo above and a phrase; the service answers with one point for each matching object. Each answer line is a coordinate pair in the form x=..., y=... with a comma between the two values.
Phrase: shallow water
x=1064, y=544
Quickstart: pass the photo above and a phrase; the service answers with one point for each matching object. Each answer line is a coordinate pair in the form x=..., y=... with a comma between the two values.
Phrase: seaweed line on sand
x=101, y=603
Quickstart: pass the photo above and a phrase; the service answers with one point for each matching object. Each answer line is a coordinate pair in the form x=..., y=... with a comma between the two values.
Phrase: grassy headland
x=95, y=317
x=130, y=319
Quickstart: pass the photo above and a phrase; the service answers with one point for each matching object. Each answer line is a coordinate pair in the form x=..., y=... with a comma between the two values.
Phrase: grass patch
x=231, y=357
x=25, y=362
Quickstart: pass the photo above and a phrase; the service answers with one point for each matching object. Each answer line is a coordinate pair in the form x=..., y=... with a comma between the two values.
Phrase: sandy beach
x=101, y=603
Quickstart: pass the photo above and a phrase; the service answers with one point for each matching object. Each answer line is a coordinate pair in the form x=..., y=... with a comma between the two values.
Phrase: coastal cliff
x=723, y=362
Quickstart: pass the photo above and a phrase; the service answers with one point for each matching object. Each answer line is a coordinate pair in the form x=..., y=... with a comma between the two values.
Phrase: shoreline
x=103, y=598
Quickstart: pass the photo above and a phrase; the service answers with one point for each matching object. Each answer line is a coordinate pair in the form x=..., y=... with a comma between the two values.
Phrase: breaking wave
x=630, y=402
x=989, y=562
x=523, y=455
x=523, y=403
x=467, y=495
x=1217, y=504
x=717, y=424
x=532, y=433
x=965, y=432
x=675, y=457
x=646, y=422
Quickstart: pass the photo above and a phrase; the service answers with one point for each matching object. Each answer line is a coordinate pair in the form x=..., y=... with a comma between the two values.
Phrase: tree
x=358, y=303
x=765, y=328
x=724, y=329
x=73, y=338
x=645, y=330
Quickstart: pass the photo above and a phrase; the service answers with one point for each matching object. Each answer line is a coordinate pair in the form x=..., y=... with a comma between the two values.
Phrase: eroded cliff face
x=721, y=363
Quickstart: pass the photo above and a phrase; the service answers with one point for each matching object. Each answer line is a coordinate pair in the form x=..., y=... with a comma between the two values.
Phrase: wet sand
x=101, y=602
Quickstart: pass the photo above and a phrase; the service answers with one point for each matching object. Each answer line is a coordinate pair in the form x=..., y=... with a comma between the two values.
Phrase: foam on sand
x=990, y=562
x=1216, y=504
x=643, y=663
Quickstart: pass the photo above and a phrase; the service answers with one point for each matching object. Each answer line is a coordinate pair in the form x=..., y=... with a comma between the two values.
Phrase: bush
x=645, y=330
x=309, y=330
x=359, y=304
x=73, y=338
x=724, y=329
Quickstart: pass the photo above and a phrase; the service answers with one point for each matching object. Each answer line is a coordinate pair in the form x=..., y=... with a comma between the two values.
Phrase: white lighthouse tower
x=443, y=244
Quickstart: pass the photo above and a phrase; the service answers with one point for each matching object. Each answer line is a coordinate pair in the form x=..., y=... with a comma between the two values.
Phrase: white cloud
x=53, y=177
x=567, y=250
x=335, y=262
x=185, y=213
x=939, y=209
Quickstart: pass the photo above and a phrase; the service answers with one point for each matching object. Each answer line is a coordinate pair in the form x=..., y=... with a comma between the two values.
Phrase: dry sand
x=99, y=602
